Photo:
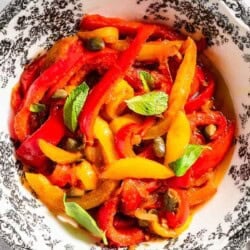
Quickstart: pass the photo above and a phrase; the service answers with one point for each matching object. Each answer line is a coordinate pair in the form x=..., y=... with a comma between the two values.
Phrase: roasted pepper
x=105, y=220
x=178, y=137
x=57, y=154
x=126, y=27
x=136, y=167
x=106, y=139
x=180, y=90
x=52, y=131
x=177, y=215
x=96, y=197
x=55, y=73
x=219, y=142
x=125, y=137
x=99, y=93
x=49, y=194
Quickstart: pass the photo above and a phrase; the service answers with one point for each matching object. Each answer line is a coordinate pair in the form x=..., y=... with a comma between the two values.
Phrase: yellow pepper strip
x=179, y=92
x=98, y=196
x=57, y=154
x=123, y=120
x=151, y=51
x=136, y=167
x=120, y=45
x=108, y=34
x=158, y=229
x=105, y=137
x=86, y=173
x=159, y=50
x=50, y=195
x=154, y=224
x=178, y=137
x=115, y=105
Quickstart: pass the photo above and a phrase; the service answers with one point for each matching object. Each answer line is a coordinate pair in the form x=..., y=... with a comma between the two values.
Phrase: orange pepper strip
x=57, y=154
x=197, y=196
x=159, y=50
x=97, y=196
x=150, y=51
x=180, y=90
x=49, y=194
x=136, y=167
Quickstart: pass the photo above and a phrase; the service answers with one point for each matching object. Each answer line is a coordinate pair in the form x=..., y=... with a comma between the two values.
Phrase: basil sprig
x=82, y=217
x=151, y=103
x=191, y=154
x=73, y=106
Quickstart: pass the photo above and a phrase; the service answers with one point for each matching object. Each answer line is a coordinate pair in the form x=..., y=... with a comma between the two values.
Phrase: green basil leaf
x=37, y=107
x=191, y=154
x=82, y=217
x=147, y=80
x=73, y=106
x=151, y=103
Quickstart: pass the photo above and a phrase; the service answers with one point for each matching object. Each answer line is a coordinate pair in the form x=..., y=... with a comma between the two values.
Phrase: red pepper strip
x=124, y=137
x=52, y=131
x=30, y=73
x=130, y=196
x=63, y=175
x=55, y=73
x=178, y=218
x=16, y=98
x=126, y=27
x=123, y=140
x=99, y=93
x=211, y=158
x=195, y=103
x=199, y=79
x=90, y=61
x=180, y=182
x=122, y=237
x=162, y=81
x=199, y=119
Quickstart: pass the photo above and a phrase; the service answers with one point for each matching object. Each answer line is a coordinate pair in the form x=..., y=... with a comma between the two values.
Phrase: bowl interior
x=35, y=26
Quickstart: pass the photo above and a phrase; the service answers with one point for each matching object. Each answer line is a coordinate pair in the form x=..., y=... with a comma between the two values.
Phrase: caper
x=60, y=93
x=171, y=202
x=95, y=44
x=210, y=130
x=71, y=144
x=159, y=147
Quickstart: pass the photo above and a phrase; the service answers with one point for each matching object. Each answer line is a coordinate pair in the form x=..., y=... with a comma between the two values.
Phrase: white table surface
x=3, y=246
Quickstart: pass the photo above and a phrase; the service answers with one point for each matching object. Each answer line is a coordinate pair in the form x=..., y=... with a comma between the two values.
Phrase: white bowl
x=26, y=28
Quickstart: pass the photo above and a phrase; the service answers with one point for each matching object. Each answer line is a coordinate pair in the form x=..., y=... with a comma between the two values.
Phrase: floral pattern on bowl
x=27, y=27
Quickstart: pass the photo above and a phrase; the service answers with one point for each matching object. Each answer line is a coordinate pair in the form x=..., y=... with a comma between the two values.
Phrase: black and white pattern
x=28, y=27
